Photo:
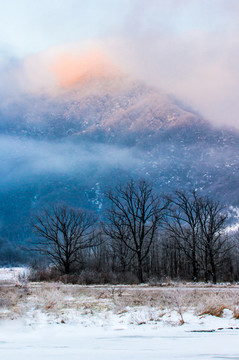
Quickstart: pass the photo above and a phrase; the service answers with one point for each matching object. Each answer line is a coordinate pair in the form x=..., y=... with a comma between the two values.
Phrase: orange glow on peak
x=70, y=68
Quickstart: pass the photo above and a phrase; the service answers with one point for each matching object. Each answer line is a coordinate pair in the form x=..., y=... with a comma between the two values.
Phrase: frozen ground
x=14, y=275
x=57, y=321
x=49, y=342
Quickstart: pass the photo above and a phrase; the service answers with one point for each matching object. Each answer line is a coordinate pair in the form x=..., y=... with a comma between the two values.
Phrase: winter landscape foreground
x=165, y=321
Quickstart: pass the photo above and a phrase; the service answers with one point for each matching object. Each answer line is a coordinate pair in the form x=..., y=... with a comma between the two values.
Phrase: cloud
x=186, y=48
x=189, y=49
x=70, y=67
x=201, y=72
x=23, y=159
x=57, y=68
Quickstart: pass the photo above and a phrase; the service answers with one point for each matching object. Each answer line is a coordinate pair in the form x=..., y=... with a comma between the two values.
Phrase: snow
x=49, y=342
x=13, y=275
x=130, y=335
x=56, y=321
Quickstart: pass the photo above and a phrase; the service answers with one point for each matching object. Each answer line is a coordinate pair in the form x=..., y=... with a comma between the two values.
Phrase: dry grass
x=214, y=310
x=217, y=301
x=236, y=312
x=59, y=301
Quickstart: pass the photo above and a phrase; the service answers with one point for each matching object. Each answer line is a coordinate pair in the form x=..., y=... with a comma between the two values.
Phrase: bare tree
x=196, y=225
x=133, y=219
x=183, y=226
x=62, y=233
x=213, y=242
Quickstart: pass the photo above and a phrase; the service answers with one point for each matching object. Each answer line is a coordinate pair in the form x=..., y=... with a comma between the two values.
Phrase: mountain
x=104, y=128
x=110, y=105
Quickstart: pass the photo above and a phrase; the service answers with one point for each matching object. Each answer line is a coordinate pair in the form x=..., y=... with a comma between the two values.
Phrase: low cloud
x=183, y=47
x=189, y=49
x=203, y=73
x=55, y=69
x=23, y=159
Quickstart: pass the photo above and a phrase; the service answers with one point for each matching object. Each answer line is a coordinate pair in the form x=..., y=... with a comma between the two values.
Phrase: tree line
x=141, y=234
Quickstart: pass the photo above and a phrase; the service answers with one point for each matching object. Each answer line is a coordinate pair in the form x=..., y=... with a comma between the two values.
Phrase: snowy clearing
x=60, y=321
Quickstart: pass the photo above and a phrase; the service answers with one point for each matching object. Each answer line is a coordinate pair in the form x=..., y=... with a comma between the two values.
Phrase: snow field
x=57, y=321
x=79, y=342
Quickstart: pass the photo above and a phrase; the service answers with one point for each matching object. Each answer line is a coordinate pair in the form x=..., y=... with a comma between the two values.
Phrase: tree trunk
x=140, y=271
x=206, y=276
x=67, y=268
x=214, y=274
x=194, y=262
x=214, y=278
x=195, y=272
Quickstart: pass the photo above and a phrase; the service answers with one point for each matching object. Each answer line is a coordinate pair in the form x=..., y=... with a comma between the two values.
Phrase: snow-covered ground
x=57, y=321
x=13, y=275
x=74, y=342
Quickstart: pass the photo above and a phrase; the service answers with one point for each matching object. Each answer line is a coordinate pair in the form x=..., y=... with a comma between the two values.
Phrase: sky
x=188, y=48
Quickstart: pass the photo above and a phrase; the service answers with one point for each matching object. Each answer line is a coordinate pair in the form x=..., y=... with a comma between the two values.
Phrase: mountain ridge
x=73, y=146
x=112, y=106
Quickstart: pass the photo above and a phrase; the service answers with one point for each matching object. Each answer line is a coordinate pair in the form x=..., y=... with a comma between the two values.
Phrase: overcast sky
x=189, y=48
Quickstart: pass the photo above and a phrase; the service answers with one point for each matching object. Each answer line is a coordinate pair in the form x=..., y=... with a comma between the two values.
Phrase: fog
x=24, y=158
x=186, y=48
